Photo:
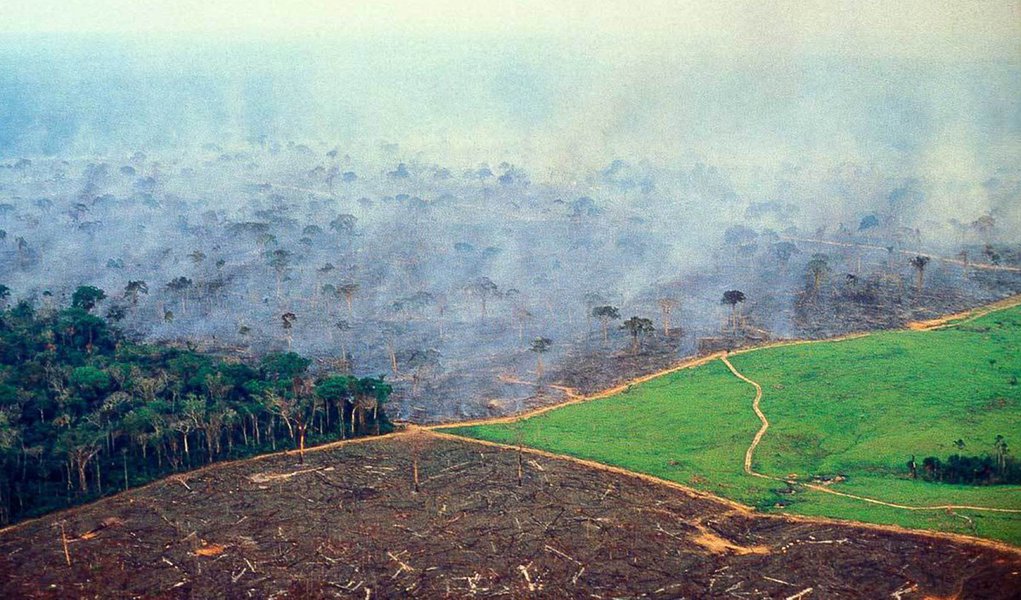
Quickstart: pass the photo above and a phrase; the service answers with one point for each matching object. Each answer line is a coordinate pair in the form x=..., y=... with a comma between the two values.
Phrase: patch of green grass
x=859, y=408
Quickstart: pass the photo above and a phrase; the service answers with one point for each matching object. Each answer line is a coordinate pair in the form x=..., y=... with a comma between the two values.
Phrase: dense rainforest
x=84, y=411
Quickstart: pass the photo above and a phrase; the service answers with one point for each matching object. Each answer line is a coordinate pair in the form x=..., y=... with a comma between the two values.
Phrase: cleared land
x=857, y=408
x=345, y=524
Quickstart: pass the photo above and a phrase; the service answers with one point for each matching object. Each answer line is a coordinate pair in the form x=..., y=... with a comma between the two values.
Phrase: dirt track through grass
x=762, y=432
x=942, y=509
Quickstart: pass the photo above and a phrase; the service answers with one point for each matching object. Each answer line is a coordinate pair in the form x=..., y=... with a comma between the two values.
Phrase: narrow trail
x=943, y=259
x=762, y=417
x=762, y=432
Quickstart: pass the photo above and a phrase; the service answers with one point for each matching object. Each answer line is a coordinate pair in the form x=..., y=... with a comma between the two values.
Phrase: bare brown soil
x=347, y=524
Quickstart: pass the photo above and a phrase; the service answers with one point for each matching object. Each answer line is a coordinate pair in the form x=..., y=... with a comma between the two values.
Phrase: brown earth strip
x=346, y=524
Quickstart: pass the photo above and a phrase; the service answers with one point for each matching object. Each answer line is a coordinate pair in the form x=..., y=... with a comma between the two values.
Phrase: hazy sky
x=945, y=29
x=930, y=85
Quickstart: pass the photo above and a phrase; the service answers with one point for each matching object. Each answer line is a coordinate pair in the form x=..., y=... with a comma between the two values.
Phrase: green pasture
x=858, y=408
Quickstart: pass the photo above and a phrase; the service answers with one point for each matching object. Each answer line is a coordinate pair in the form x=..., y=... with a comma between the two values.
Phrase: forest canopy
x=84, y=411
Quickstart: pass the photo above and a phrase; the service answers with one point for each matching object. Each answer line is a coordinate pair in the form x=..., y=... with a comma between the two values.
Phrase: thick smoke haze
x=483, y=190
x=529, y=100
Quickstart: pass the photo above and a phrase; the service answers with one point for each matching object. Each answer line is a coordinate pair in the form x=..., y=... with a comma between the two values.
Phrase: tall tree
x=133, y=289
x=817, y=268
x=605, y=314
x=280, y=260
x=86, y=297
x=287, y=322
x=483, y=288
x=638, y=327
x=180, y=286
x=540, y=346
x=80, y=443
x=919, y=263
x=732, y=298
x=347, y=290
x=666, y=308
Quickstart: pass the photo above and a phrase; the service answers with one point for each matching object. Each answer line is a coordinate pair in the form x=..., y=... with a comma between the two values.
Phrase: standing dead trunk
x=83, y=484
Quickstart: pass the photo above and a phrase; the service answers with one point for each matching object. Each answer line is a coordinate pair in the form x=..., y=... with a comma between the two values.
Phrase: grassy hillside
x=858, y=408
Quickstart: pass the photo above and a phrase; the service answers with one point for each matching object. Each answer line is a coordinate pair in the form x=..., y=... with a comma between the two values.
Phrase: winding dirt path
x=762, y=432
x=762, y=417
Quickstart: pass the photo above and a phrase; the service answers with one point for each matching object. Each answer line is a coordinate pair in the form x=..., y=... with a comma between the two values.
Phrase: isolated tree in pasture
x=818, y=267
x=666, y=308
x=638, y=327
x=133, y=290
x=605, y=314
x=733, y=298
x=540, y=346
x=86, y=297
x=919, y=263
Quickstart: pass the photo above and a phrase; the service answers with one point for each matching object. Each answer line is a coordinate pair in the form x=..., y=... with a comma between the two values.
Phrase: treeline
x=986, y=469
x=84, y=411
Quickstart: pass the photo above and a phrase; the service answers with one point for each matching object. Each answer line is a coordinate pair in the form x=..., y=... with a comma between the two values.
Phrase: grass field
x=859, y=408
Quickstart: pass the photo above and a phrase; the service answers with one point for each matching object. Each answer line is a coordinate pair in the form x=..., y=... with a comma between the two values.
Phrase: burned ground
x=347, y=524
